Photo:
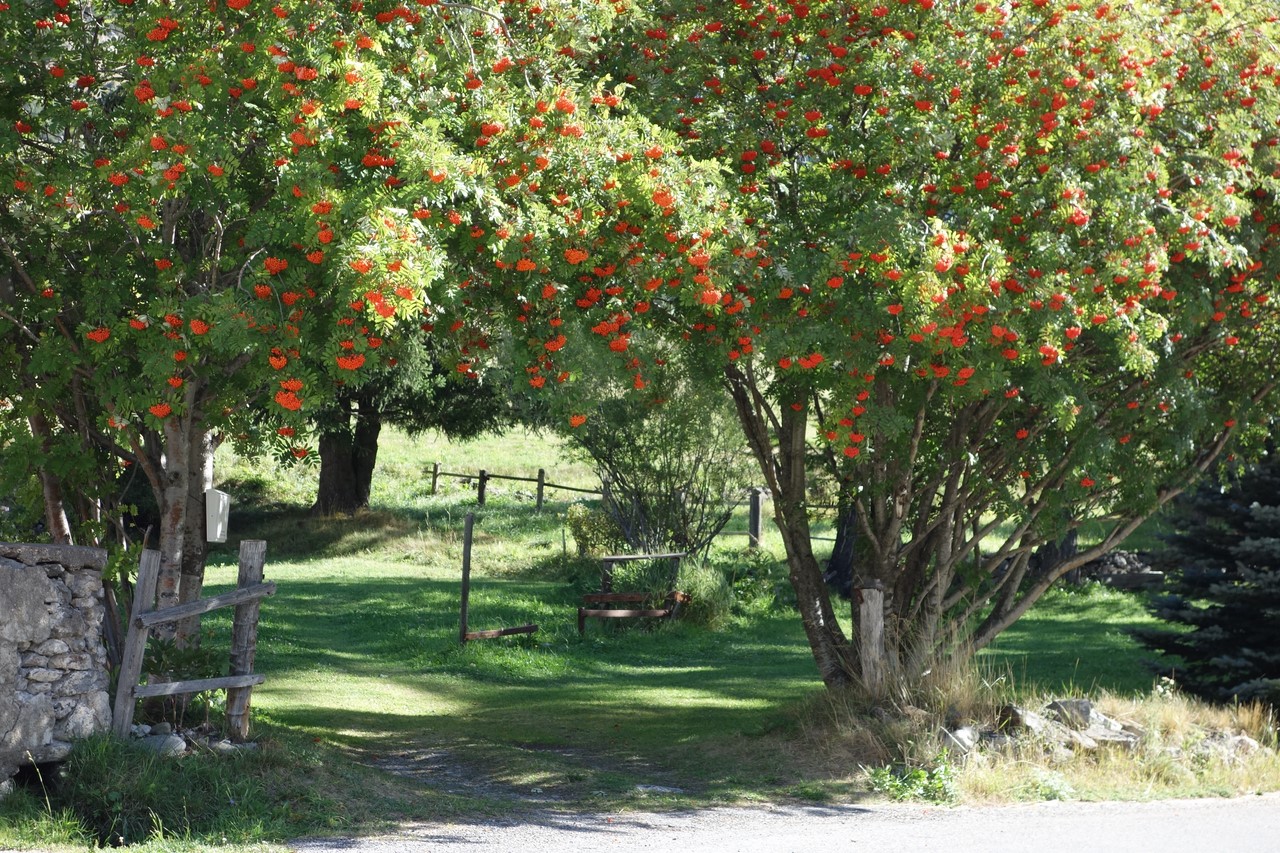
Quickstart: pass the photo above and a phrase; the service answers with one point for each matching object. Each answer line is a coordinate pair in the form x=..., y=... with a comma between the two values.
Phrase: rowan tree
x=989, y=269
x=212, y=213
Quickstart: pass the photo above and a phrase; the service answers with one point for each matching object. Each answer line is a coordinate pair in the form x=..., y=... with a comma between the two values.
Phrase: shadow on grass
x=588, y=717
x=1078, y=640
x=296, y=534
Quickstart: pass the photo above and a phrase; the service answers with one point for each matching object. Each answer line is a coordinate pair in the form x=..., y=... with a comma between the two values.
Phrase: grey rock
x=27, y=614
x=83, y=681
x=1071, y=712
x=162, y=729
x=88, y=717
x=226, y=747
x=1079, y=741
x=1011, y=718
x=44, y=674
x=51, y=648
x=54, y=750
x=1243, y=745
x=86, y=584
x=170, y=745
x=76, y=661
x=70, y=556
x=1105, y=736
x=32, y=723
x=658, y=789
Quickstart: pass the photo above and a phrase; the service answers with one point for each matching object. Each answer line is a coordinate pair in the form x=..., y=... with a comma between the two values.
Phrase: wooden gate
x=244, y=638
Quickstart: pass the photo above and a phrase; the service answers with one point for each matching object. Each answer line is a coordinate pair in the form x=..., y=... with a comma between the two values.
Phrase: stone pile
x=1122, y=570
x=1066, y=727
x=53, y=665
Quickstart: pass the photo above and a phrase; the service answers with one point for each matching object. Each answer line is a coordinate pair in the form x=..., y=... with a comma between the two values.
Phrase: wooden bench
x=634, y=604
x=653, y=605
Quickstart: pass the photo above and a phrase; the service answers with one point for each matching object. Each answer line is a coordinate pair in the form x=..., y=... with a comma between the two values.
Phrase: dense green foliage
x=986, y=262
x=1224, y=559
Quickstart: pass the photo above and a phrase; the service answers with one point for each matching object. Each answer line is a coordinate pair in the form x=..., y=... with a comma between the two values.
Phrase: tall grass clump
x=113, y=792
x=125, y=794
x=1185, y=746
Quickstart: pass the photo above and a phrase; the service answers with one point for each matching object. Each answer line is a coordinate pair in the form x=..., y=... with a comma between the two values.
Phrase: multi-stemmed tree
x=991, y=269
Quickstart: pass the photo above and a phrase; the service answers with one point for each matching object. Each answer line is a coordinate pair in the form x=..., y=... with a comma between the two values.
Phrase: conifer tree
x=1225, y=557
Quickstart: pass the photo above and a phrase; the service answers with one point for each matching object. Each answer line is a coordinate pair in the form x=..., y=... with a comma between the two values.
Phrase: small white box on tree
x=217, y=507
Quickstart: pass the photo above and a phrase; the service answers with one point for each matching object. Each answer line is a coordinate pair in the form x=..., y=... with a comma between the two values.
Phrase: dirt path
x=1179, y=826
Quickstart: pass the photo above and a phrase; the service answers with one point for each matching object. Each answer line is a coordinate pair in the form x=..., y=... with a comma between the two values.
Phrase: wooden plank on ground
x=622, y=614
x=501, y=632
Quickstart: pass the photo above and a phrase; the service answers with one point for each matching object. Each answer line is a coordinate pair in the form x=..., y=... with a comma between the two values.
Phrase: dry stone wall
x=53, y=665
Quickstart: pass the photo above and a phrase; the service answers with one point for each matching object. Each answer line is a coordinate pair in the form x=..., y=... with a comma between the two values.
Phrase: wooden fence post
x=755, y=522
x=871, y=637
x=484, y=479
x=542, y=486
x=135, y=646
x=435, y=477
x=466, y=575
x=244, y=638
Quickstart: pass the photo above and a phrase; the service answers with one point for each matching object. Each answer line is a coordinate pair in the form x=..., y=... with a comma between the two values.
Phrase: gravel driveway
x=1178, y=826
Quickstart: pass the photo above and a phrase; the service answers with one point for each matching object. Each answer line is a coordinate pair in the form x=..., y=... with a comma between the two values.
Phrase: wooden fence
x=246, y=598
x=483, y=477
x=463, y=633
x=755, y=497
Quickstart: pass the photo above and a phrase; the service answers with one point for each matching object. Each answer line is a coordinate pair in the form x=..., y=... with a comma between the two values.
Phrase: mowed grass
x=373, y=712
x=1078, y=640
x=361, y=646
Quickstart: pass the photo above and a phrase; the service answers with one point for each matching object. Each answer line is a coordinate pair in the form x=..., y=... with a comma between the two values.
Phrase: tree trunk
x=777, y=441
x=347, y=459
x=173, y=495
x=55, y=511
x=839, y=573
x=194, y=539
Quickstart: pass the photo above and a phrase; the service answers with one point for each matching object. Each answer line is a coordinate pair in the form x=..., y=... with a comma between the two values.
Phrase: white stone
x=172, y=745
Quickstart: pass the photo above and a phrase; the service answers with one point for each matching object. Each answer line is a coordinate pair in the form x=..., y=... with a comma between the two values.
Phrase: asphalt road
x=1242, y=825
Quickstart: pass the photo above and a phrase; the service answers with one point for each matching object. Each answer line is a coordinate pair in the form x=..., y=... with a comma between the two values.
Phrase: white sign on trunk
x=217, y=506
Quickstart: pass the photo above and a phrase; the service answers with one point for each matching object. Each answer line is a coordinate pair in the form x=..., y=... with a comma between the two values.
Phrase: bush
x=710, y=595
x=594, y=531
x=674, y=461
x=758, y=579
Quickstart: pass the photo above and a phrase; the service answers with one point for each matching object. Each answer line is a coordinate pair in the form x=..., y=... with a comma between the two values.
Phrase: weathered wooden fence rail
x=483, y=477
x=755, y=497
x=246, y=599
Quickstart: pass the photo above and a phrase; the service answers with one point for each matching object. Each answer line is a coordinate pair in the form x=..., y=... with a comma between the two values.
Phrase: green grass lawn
x=361, y=648
x=1077, y=639
x=372, y=712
